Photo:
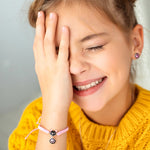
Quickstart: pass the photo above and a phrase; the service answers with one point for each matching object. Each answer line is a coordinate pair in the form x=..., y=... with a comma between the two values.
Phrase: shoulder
x=28, y=122
x=32, y=111
x=142, y=117
x=35, y=106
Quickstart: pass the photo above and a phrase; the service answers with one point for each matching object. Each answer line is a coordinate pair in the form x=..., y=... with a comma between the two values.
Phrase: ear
x=137, y=40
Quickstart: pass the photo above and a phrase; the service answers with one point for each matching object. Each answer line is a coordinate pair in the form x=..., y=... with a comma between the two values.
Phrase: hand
x=52, y=70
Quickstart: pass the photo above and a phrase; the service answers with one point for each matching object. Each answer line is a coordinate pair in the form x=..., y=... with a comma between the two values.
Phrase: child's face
x=112, y=60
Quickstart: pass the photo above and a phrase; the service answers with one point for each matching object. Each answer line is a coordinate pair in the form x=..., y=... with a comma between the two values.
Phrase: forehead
x=82, y=20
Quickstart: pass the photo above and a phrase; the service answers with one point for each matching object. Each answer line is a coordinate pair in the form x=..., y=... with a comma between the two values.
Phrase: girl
x=83, y=55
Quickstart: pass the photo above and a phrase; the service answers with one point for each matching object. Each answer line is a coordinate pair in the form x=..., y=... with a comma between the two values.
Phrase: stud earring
x=137, y=55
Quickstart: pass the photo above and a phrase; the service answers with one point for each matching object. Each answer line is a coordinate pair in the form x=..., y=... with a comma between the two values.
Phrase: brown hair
x=120, y=12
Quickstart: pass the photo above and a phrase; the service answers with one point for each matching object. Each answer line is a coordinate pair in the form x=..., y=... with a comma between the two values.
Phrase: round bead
x=52, y=141
x=137, y=55
x=53, y=133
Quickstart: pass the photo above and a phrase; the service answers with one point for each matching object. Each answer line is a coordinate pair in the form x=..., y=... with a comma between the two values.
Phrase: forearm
x=53, y=120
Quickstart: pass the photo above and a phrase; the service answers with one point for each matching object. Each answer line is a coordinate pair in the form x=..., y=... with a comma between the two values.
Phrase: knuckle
x=35, y=45
x=49, y=41
x=38, y=28
x=63, y=44
x=39, y=68
x=62, y=47
x=38, y=34
x=46, y=41
x=37, y=41
x=38, y=22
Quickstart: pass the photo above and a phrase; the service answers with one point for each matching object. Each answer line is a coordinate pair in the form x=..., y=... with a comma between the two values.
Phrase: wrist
x=54, y=120
x=56, y=106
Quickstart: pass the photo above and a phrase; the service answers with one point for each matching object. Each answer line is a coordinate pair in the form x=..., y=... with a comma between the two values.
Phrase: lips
x=87, y=82
x=91, y=90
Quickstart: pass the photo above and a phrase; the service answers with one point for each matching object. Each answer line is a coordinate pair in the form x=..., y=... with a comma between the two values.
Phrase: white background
x=18, y=81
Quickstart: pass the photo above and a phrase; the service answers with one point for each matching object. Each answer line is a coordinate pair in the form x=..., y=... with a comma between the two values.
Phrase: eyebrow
x=89, y=37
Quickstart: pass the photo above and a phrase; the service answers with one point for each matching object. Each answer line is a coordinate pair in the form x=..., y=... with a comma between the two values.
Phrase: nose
x=77, y=65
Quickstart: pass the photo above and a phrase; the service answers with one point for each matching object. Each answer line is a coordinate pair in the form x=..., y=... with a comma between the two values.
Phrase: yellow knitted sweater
x=133, y=131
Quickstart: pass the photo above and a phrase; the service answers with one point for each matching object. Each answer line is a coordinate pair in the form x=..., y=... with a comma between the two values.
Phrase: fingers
x=64, y=45
x=49, y=41
x=44, y=43
x=39, y=36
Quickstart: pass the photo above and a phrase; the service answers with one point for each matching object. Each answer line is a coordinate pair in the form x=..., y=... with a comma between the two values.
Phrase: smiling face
x=98, y=49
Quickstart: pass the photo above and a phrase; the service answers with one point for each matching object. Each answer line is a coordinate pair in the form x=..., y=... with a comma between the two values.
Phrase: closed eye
x=95, y=48
x=91, y=48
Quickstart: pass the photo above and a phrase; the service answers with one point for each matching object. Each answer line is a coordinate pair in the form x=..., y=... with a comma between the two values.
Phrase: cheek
x=113, y=63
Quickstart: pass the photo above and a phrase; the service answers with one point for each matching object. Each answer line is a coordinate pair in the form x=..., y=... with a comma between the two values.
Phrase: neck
x=114, y=111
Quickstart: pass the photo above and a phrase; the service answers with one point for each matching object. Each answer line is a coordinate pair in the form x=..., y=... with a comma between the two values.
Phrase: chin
x=90, y=104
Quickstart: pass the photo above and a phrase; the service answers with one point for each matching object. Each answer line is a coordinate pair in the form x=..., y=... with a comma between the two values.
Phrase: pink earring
x=137, y=55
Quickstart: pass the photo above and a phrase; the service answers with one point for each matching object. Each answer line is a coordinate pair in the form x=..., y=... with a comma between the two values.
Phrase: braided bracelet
x=53, y=133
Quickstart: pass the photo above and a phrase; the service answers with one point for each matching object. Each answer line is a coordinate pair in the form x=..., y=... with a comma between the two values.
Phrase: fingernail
x=39, y=14
x=52, y=16
x=64, y=29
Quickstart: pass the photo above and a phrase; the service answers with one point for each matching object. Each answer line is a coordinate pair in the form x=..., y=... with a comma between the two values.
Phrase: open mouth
x=89, y=88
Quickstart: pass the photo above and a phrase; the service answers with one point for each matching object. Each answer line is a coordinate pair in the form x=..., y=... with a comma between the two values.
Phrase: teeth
x=85, y=87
